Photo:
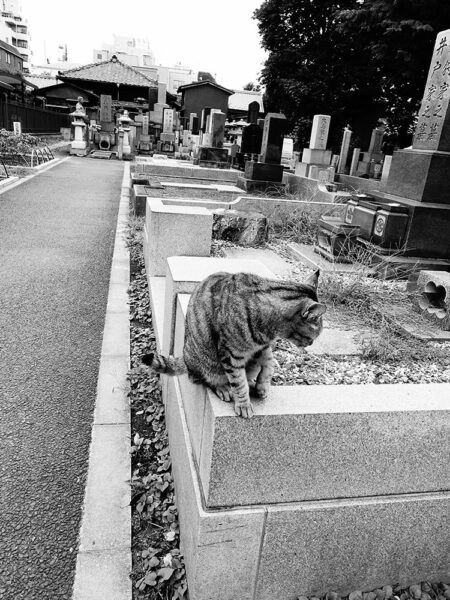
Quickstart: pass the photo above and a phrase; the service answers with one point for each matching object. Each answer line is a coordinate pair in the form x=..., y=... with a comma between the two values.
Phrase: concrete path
x=56, y=241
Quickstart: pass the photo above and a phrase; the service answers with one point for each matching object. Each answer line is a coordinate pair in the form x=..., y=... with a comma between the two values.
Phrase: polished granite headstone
x=422, y=172
x=419, y=177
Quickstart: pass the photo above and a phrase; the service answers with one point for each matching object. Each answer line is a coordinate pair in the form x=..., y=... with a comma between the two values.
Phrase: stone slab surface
x=307, y=256
x=107, y=487
x=198, y=186
x=337, y=342
x=354, y=545
x=327, y=442
x=103, y=575
x=413, y=323
x=174, y=167
x=268, y=257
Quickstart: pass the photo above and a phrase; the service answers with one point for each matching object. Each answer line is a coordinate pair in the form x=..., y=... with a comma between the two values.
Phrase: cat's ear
x=313, y=280
x=314, y=311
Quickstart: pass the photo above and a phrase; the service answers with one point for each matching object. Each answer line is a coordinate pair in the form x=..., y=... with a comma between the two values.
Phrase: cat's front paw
x=244, y=409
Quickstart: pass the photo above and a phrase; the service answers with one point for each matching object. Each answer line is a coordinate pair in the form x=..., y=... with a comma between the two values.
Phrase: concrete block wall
x=169, y=230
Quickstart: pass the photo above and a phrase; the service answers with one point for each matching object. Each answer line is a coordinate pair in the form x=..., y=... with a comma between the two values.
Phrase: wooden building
x=201, y=94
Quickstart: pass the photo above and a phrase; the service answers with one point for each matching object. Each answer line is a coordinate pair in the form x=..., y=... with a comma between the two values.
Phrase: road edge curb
x=104, y=555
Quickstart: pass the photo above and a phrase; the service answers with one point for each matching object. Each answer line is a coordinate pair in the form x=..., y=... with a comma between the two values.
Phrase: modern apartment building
x=14, y=30
x=136, y=52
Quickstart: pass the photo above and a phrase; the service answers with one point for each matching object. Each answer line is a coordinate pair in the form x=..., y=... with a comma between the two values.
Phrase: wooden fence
x=33, y=120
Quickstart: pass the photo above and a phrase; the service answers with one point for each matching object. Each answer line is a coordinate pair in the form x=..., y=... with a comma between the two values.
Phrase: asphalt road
x=56, y=242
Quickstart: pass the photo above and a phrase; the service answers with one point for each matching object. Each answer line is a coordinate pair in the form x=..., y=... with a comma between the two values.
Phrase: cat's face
x=306, y=324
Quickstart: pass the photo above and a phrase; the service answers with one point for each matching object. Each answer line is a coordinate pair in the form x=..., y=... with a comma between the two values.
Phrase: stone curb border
x=15, y=181
x=104, y=556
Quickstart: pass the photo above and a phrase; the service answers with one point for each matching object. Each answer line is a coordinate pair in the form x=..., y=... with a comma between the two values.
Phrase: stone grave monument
x=366, y=166
x=156, y=115
x=211, y=152
x=418, y=177
x=317, y=154
x=407, y=225
x=251, y=137
x=167, y=137
x=267, y=172
x=144, y=141
x=345, y=146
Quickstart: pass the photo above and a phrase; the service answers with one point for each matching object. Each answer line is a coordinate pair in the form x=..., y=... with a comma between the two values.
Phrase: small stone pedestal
x=336, y=240
x=213, y=157
x=261, y=176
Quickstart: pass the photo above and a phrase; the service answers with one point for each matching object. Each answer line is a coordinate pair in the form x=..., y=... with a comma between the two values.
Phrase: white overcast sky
x=205, y=35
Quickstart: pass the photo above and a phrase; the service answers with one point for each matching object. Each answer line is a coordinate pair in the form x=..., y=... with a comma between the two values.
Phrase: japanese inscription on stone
x=168, y=120
x=319, y=132
x=433, y=125
x=106, y=108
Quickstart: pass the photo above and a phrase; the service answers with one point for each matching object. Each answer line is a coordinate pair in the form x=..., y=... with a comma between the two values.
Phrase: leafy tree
x=252, y=87
x=357, y=60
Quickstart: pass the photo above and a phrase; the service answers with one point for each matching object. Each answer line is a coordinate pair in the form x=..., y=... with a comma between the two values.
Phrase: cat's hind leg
x=264, y=377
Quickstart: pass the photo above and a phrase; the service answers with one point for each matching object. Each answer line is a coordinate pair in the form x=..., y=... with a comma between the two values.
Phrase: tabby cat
x=231, y=321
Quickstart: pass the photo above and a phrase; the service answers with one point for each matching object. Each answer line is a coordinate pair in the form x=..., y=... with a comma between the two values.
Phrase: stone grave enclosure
x=327, y=487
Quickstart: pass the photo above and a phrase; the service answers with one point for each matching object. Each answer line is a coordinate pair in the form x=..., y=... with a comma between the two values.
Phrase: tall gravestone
x=267, y=172
x=275, y=127
x=217, y=128
x=374, y=154
x=316, y=155
x=419, y=177
x=253, y=112
x=422, y=172
x=252, y=133
x=345, y=146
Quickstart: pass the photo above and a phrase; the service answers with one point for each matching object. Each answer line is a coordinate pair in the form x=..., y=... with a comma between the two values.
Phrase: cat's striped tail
x=169, y=365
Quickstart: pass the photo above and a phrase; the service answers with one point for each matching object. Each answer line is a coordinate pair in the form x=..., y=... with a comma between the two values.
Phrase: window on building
x=99, y=56
x=21, y=29
x=8, y=58
x=22, y=44
x=177, y=83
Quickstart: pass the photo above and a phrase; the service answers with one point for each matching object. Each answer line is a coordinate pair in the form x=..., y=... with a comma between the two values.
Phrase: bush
x=23, y=143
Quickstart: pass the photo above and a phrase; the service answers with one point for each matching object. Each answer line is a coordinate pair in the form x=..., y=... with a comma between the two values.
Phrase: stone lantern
x=79, y=146
x=124, y=122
